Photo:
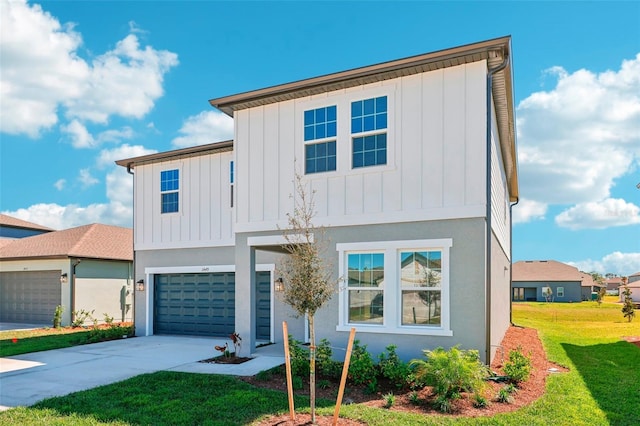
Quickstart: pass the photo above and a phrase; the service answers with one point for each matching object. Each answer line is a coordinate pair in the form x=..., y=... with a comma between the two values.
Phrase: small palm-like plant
x=450, y=373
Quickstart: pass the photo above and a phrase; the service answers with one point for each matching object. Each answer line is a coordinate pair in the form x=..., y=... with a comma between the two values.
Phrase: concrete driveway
x=29, y=378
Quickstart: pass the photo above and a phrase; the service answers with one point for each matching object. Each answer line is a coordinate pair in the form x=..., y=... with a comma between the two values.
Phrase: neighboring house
x=613, y=284
x=11, y=227
x=85, y=268
x=633, y=283
x=413, y=168
x=567, y=283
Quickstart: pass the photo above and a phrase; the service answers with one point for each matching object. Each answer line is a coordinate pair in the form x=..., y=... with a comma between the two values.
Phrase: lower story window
x=369, y=150
x=518, y=293
x=395, y=287
x=560, y=292
x=320, y=157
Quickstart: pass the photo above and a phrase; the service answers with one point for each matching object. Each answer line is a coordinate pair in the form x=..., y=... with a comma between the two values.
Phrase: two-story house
x=413, y=168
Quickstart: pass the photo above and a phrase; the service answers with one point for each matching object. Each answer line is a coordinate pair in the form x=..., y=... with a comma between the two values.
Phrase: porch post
x=245, y=295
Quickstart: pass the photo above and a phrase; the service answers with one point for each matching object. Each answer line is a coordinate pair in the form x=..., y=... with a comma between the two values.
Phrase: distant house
x=85, y=268
x=613, y=284
x=566, y=283
x=633, y=284
x=11, y=227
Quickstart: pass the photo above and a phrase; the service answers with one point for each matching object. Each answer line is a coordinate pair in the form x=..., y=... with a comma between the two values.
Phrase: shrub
x=57, y=316
x=327, y=367
x=296, y=382
x=628, y=309
x=362, y=370
x=108, y=320
x=324, y=384
x=113, y=333
x=450, y=373
x=518, y=368
x=393, y=368
x=80, y=317
x=299, y=357
x=389, y=399
x=504, y=396
x=414, y=398
x=479, y=401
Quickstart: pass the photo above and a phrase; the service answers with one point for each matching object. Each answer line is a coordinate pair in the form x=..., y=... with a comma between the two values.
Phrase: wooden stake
x=343, y=379
x=287, y=358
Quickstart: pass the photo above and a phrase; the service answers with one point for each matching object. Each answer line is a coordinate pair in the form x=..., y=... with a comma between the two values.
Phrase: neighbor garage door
x=204, y=304
x=29, y=296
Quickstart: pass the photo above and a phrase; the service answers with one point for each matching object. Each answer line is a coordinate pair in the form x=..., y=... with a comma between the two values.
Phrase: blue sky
x=88, y=83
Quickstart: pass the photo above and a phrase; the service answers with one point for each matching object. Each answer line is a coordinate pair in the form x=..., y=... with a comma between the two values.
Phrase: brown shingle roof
x=19, y=223
x=94, y=241
x=549, y=270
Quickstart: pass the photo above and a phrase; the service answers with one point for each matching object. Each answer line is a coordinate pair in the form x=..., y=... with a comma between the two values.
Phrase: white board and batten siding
x=500, y=211
x=435, y=155
x=204, y=217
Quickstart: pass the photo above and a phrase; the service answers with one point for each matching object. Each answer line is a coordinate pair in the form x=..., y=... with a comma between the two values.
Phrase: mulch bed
x=227, y=359
x=528, y=392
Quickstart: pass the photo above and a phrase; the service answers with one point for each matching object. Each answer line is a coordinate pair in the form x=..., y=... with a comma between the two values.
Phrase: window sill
x=420, y=331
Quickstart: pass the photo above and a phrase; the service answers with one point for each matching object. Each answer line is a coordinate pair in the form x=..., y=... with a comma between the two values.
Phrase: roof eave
x=192, y=151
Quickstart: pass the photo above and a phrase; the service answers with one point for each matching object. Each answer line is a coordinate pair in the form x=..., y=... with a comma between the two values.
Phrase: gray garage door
x=29, y=296
x=204, y=304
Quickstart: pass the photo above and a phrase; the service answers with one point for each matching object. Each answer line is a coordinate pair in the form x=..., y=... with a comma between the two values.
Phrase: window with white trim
x=560, y=292
x=368, y=129
x=395, y=287
x=320, y=131
x=169, y=191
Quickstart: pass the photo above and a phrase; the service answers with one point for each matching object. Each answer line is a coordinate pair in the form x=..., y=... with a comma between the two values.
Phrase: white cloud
x=85, y=178
x=119, y=190
x=599, y=215
x=577, y=138
x=108, y=157
x=78, y=134
x=528, y=210
x=125, y=81
x=60, y=183
x=206, y=127
x=623, y=264
x=40, y=68
x=42, y=74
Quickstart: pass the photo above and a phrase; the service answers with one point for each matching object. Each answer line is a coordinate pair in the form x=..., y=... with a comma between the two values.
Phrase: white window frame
x=392, y=309
x=344, y=142
x=560, y=292
x=178, y=191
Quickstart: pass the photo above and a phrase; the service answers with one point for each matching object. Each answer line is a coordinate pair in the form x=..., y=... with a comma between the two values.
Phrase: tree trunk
x=312, y=369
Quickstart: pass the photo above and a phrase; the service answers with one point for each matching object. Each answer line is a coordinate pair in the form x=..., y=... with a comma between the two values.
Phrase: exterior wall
x=64, y=265
x=572, y=290
x=500, y=299
x=105, y=287
x=500, y=212
x=212, y=259
x=466, y=289
x=98, y=285
x=435, y=157
x=635, y=293
x=205, y=216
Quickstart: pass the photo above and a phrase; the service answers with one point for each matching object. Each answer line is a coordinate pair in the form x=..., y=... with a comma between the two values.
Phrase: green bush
x=113, y=333
x=450, y=373
x=299, y=357
x=504, y=395
x=79, y=318
x=326, y=366
x=479, y=401
x=393, y=368
x=57, y=316
x=389, y=399
x=518, y=367
x=362, y=370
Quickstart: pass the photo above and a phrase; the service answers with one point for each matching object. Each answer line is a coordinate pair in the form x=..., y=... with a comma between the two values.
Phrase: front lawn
x=601, y=387
x=16, y=342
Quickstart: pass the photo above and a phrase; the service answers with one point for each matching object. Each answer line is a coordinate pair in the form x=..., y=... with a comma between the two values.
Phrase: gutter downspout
x=511, y=206
x=133, y=279
x=74, y=265
x=490, y=74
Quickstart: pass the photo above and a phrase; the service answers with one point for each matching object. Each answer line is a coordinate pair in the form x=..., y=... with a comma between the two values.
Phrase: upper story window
x=169, y=190
x=320, y=130
x=369, y=144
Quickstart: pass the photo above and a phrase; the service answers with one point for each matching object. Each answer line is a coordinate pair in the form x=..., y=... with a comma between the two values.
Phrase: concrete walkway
x=29, y=378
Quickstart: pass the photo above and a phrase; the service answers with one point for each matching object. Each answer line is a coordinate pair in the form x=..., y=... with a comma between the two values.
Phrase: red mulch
x=527, y=393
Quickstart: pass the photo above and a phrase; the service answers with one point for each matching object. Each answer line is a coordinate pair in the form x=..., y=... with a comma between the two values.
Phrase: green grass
x=601, y=387
x=44, y=339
